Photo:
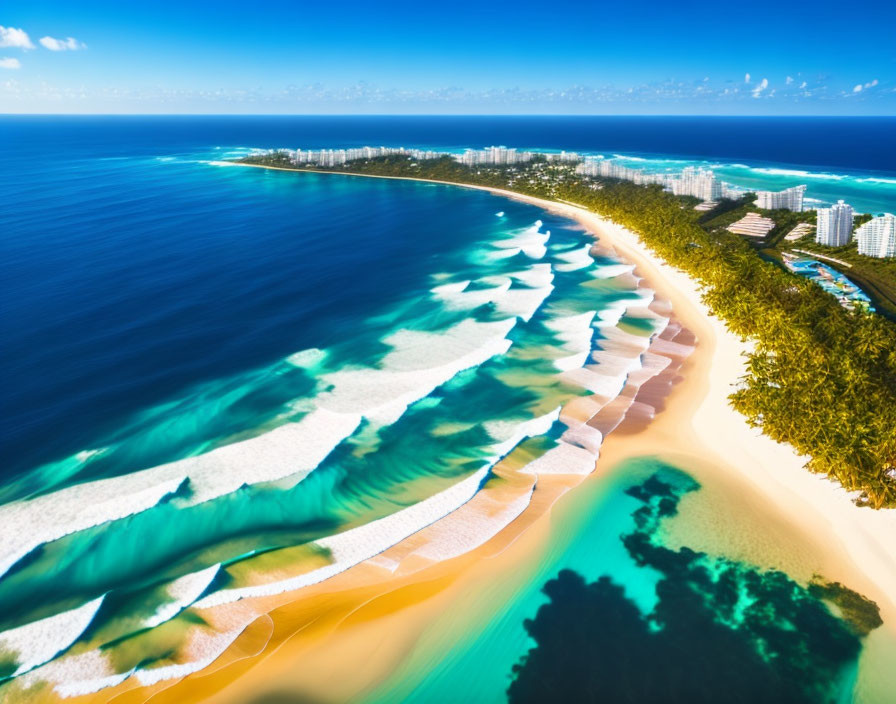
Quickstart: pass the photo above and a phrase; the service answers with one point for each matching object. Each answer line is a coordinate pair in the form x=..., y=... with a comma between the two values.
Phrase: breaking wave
x=416, y=441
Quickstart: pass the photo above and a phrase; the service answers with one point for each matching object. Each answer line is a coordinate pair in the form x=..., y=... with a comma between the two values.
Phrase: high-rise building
x=788, y=199
x=834, y=225
x=700, y=183
x=877, y=237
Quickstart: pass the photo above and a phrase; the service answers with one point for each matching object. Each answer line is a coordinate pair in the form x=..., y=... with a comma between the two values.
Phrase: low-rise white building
x=752, y=225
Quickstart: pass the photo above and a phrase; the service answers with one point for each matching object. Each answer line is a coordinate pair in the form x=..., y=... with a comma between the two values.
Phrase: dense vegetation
x=820, y=377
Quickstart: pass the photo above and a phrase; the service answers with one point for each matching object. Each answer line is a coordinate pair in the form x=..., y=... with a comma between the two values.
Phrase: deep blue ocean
x=120, y=248
x=210, y=371
x=860, y=145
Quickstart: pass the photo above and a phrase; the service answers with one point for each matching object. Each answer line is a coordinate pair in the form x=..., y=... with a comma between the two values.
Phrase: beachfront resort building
x=338, y=157
x=700, y=183
x=752, y=225
x=789, y=199
x=598, y=166
x=834, y=226
x=493, y=156
x=691, y=181
x=877, y=237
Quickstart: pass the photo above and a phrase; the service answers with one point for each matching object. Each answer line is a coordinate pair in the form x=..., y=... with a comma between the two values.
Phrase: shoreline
x=697, y=424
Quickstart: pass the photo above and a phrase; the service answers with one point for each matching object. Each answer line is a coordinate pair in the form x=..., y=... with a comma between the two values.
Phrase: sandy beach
x=338, y=639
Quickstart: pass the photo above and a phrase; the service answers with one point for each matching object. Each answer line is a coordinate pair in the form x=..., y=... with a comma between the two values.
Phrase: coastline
x=697, y=424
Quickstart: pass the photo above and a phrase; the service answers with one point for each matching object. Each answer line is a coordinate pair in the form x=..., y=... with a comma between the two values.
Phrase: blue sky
x=777, y=58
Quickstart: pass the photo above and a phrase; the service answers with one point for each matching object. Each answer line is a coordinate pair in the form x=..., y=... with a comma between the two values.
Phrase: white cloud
x=763, y=84
x=789, y=80
x=860, y=87
x=803, y=85
x=7, y=62
x=747, y=78
x=12, y=37
x=70, y=44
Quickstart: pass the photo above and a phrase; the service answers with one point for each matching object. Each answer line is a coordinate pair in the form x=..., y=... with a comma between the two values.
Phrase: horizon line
x=423, y=114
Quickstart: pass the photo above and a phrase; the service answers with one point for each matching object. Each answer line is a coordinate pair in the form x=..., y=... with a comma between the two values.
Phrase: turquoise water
x=866, y=192
x=831, y=281
x=362, y=355
x=655, y=624
x=224, y=382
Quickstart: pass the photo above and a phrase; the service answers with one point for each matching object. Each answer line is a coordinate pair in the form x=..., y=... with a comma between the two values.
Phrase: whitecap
x=183, y=592
x=40, y=641
x=364, y=542
x=293, y=449
x=418, y=363
x=574, y=260
x=308, y=358
x=562, y=459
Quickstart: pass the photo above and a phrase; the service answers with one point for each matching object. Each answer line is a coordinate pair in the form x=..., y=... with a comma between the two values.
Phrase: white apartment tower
x=834, y=225
x=700, y=183
x=877, y=237
x=789, y=199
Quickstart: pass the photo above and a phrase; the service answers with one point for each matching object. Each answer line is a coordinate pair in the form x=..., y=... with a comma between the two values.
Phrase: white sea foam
x=204, y=650
x=346, y=549
x=609, y=316
x=93, y=670
x=495, y=254
x=447, y=290
x=509, y=433
x=465, y=530
x=77, y=675
x=524, y=302
x=573, y=361
x=507, y=299
x=586, y=437
x=574, y=333
x=876, y=179
x=293, y=449
x=574, y=260
x=364, y=542
x=183, y=592
x=531, y=241
x=799, y=173
x=307, y=358
x=536, y=276
x=563, y=459
x=456, y=298
x=418, y=363
x=609, y=271
x=40, y=641
x=592, y=379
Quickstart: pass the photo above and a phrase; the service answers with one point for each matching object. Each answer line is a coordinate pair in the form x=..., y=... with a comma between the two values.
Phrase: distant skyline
x=766, y=58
